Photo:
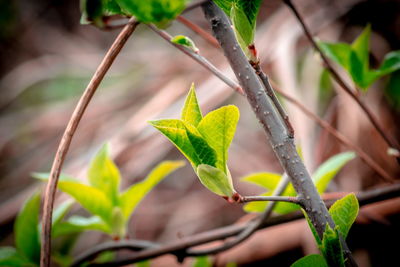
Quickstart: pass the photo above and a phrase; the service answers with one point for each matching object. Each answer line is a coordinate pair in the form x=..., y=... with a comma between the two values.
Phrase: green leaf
x=104, y=175
x=134, y=194
x=361, y=47
x=266, y=180
x=175, y=131
x=391, y=63
x=338, y=52
x=392, y=91
x=153, y=11
x=60, y=212
x=250, y=9
x=244, y=32
x=44, y=176
x=191, y=112
x=10, y=257
x=185, y=41
x=26, y=229
x=225, y=5
x=77, y=224
x=118, y=223
x=202, y=261
x=344, y=212
x=92, y=199
x=327, y=171
x=332, y=248
x=314, y=260
x=215, y=180
x=218, y=128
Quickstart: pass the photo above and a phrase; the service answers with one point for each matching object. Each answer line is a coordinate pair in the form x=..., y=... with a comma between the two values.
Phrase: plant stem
x=69, y=133
x=294, y=200
x=388, y=139
x=272, y=123
x=199, y=59
x=364, y=198
x=205, y=35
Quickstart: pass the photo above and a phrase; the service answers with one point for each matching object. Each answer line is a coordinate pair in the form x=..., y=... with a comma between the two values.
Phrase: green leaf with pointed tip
x=344, y=212
x=60, y=212
x=130, y=198
x=185, y=41
x=250, y=9
x=191, y=112
x=266, y=180
x=244, y=32
x=361, y=47
x=327, y=171
x=104, y=175
x=26, y=229
x=218, y=128
x=92, y=199
x=225, y=5
x=314, y=260
x=10, y=257
x=175, y=131
x=391, y=63
x=332, y=248
x=215, y=180
x=204, y=152
x=153, y=11
x=78, y=224
x=338, y=52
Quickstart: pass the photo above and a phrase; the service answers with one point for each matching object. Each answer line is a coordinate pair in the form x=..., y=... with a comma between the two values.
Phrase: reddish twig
x=388, y=139
x=68, y=134
x=205, y=35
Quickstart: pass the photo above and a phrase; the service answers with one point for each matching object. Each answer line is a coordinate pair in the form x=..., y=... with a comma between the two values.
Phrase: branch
x=205, y=35
x=199, y=59
x=294, y=200
x=364, y=198
x=388, y=139
x=69, y=133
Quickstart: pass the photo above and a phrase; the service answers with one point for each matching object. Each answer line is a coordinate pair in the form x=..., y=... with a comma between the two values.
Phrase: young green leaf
x=26, y=229
x=215, y=180
x=10, y=257
x=344, y=212
x=218, y=128
x=118, y=223
x=244, y=32
x=361, y=48
x=225, y=5
x=312, y=228
x=185, y=41
x=104, y=175
x=314, y=260
x=153, y=11
x=204, y=152
x=92, y=199
x=77, y=224
x=175, y=131
x=327, y=171
x=191, y=112
x=134, y=194
x=332, y=248
x=338, y=52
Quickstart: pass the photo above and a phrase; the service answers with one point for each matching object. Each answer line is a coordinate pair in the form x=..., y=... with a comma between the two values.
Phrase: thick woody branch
x=69, y=133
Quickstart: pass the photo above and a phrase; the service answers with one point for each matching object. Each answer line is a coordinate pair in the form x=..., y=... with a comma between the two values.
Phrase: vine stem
x=69, y=133
x=388, y=139
x=275, y=128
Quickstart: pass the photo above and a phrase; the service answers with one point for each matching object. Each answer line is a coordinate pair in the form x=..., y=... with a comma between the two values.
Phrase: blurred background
x=47, y=59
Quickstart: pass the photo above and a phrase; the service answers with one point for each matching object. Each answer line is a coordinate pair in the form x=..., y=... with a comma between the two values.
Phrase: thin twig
x=205, y=35
x=364, y=198
x=389, y=139
x=199, y=59
x=68, y=134
x=294, y=200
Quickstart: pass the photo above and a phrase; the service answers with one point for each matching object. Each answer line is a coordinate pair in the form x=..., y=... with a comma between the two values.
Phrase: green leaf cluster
x=243, y=14
x=354, y=58
x=321, y=178
x=159, y=12
x=344, y=213
x=204, y=141
x=102, y=197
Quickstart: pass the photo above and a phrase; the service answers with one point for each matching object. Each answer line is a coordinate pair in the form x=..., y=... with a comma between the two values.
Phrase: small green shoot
x=185, y=41
x=204, y=141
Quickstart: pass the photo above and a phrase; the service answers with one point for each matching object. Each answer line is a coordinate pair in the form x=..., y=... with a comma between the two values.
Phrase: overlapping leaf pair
x=204, y=141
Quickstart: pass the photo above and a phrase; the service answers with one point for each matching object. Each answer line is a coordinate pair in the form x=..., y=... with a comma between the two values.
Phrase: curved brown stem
x=69, y=133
